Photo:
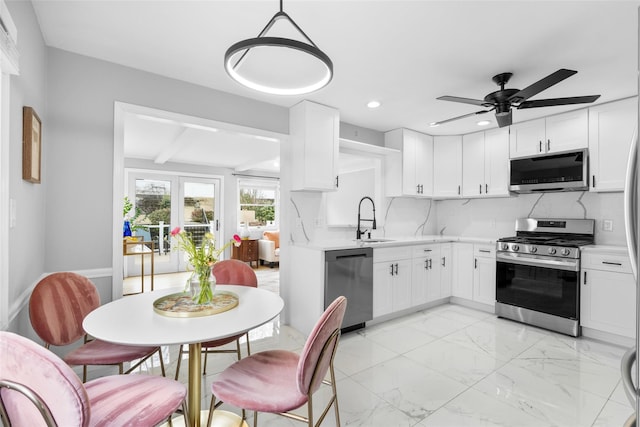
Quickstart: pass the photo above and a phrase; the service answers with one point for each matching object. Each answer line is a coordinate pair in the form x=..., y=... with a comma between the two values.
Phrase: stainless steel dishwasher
x=349, y=272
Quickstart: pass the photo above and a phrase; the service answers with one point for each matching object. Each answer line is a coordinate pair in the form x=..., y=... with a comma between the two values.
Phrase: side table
x=247, y=252
x=142, y=248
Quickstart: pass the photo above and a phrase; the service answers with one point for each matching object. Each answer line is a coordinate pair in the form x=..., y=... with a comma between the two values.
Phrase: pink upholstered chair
x=227, y=272
x=57, y=307
x=279, y=381
x=38, y=388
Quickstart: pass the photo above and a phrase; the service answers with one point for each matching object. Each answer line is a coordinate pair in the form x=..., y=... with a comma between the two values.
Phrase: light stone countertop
x=390, y=242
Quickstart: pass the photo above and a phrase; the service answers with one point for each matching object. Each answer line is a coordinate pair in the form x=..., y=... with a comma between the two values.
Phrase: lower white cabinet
x=391, y=280
x=462, y=274
x=484, y=274
x=607, y=293
x=425, y=280
x=446, y=270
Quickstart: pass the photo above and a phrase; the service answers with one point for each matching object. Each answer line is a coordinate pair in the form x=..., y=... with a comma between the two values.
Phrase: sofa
x=269, y=248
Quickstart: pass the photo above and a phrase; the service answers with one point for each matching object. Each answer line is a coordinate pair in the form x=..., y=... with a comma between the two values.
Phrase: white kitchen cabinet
x=485, y=161
x=411, y=173
x=446, y=270
x=611, y=128
x=462, y=274
x=314, y=131
x=553, y=134
x=425, y=278
x=607, y=293
x=484, y=274
x=447, y=166
x=391, y=280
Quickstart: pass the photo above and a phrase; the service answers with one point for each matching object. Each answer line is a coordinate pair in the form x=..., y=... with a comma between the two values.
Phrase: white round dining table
x=131, y=320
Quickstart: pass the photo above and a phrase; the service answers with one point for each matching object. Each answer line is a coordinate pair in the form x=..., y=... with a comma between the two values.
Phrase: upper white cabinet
x=611, y=128
x=411, y=173
x=447, y=166
x=314, y=131
x=485, y=161
x=553, y=134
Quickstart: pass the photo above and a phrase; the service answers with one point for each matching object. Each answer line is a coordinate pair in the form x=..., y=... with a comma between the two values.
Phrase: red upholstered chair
x=227, y=272
x=38, y=388
x=279, y=381
x=57, y=307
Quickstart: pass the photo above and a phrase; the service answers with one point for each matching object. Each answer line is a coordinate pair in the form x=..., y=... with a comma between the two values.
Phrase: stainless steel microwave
x=567, y=171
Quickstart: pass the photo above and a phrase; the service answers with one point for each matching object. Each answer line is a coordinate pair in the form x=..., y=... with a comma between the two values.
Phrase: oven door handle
x=558, y=264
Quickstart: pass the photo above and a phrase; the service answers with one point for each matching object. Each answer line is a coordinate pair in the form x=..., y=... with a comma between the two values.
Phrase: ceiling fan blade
x=504, y=119
x=541, y=85
x=434, y=124
x=558, y=101
x=465, y=100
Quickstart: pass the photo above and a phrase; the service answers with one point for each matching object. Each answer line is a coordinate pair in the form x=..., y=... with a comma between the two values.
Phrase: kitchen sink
x=374, y=240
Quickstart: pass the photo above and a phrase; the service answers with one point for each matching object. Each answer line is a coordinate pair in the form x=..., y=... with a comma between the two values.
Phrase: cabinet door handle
x=396, y=269
x=427, y=250
x=585, y=277
x=476, y=263
x=593, y=181
x=486, y=189
x=430, y=263
x=458, y=190
x=612, y=263
x=540, y=149
x=548, y=145
x=484, y=251
x=337, y=181
x=444, y=261
x=391, y=269
x=426, y=264
x=480, y=186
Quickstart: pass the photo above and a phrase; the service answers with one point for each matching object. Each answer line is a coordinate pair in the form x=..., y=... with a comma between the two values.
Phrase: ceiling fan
x=504, y=99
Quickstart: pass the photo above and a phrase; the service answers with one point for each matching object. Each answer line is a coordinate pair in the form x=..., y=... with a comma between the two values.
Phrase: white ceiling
x=402, y=53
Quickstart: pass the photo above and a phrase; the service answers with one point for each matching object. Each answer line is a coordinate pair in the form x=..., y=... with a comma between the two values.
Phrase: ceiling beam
x=178, y=143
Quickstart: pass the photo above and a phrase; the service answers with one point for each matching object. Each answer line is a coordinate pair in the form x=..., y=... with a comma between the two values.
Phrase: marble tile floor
x=454, y=366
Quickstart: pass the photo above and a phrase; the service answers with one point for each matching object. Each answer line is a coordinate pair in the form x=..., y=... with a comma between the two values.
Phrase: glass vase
x=202, y=286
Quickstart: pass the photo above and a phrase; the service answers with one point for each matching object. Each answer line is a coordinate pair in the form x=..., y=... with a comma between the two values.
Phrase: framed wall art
x=31, y=145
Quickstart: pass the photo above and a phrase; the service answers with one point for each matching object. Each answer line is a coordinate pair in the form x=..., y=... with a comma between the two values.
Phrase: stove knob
x=533, y=249
x=552, y=251
x=515, y=248
x=505, y=246
x=565, y=251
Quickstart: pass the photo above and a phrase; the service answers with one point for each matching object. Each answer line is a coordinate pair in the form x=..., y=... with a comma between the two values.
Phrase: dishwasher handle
x=339, y=254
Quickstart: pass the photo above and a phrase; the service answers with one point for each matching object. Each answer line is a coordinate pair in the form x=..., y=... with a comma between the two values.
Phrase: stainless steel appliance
x=632, y=228
x=349, y=272
x=538, y=273
x=556, y=172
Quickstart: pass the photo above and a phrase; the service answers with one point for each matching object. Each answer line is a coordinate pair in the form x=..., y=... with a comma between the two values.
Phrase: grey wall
x=81, y=96
x=27, y=238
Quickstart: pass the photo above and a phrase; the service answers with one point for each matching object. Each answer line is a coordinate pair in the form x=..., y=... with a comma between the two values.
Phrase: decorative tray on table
x=182, y=305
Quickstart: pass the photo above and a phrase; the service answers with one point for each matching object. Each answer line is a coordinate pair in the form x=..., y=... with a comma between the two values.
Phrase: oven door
x=544, y=284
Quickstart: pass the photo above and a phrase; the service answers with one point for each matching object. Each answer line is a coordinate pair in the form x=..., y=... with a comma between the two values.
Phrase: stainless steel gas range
x=538, y=272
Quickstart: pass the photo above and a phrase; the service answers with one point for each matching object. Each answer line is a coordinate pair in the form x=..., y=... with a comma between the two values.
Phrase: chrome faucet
x=373, y=227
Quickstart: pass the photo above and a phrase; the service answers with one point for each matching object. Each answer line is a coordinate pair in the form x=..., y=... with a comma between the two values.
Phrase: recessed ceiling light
x=483, y=122
x=373, y=104
x=434, y=124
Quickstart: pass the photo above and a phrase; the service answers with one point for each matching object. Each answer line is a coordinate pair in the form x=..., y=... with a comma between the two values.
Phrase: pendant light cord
x=278, y=15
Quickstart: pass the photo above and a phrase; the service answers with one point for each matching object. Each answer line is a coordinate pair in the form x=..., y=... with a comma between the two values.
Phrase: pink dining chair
x=227, y=272
x=279, y=381
x=57, y=307
x=38, y=388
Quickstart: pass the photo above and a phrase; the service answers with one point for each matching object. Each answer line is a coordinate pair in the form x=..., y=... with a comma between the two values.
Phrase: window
x=259, y=201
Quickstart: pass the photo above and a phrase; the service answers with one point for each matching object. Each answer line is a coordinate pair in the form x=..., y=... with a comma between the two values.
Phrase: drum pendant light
x=278, y=65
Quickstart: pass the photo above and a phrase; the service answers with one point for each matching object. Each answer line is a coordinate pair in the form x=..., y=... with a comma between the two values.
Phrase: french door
x=164, y=201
